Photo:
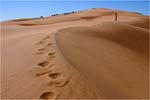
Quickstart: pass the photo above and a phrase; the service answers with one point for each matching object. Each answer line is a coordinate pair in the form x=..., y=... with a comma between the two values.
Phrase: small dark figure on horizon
x=115, y=16
x=41, y=16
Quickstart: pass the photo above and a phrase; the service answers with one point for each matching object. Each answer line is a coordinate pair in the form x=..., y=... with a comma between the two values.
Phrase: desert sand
x=83, y=55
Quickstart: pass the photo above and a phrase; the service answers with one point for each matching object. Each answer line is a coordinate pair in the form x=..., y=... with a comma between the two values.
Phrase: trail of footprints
x=57, y=77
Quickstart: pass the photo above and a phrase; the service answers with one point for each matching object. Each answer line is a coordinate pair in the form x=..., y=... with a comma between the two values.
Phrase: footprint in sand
x=61, y=83
x=42, y=73
x=51, y=53
x=54, y=75
x=41, y=42
x=46, y=38
x=46, y=47
x=49, y=95
x=59, y=80
x=41, y=51
x=43, y=64
x=51, y=56
x=39, y=71
x=49, y=44
x=58, y=83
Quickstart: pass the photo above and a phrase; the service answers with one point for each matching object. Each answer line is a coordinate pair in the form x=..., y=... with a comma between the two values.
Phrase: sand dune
x=108, y=55
x=83, y=55
x=140, y=22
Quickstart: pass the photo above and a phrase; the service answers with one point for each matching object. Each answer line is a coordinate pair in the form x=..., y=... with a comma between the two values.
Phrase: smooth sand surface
x=84, y=55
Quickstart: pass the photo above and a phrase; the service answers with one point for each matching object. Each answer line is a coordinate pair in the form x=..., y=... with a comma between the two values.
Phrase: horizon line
x=75, y=11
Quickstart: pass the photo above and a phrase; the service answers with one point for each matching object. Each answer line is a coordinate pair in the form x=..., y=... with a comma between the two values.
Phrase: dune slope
x=114, y=56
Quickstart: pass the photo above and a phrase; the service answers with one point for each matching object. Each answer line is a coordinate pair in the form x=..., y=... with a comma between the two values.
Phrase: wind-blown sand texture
x=84, y=55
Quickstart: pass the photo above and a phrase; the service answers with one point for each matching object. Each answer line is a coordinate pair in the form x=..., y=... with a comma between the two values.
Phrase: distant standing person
x=115, y=16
